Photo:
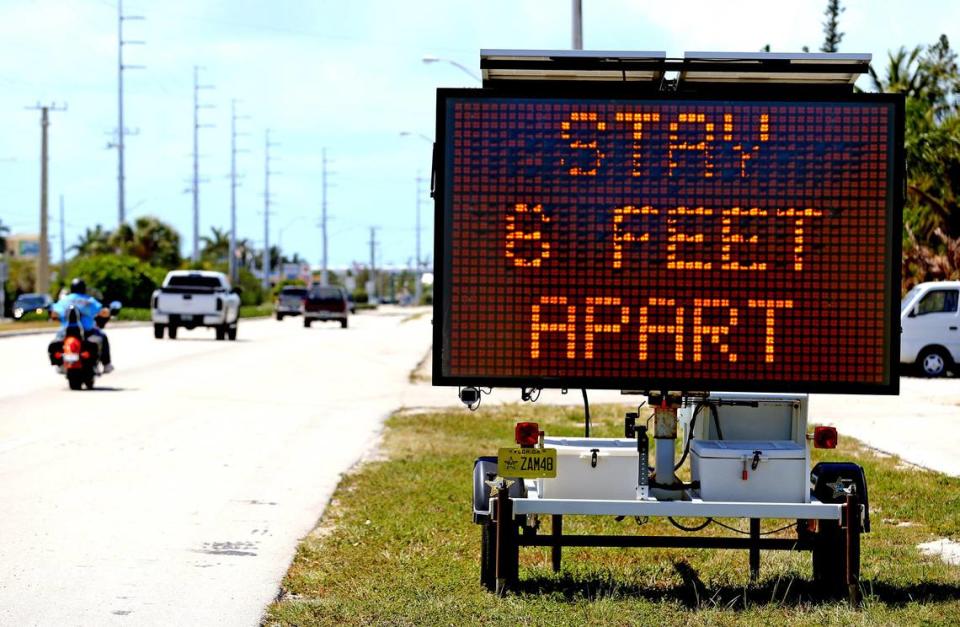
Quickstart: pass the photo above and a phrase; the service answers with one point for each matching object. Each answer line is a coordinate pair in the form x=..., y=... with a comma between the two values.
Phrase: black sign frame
x=443, y=201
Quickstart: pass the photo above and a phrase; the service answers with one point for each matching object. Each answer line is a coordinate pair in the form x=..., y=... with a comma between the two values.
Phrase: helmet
x=78, y=286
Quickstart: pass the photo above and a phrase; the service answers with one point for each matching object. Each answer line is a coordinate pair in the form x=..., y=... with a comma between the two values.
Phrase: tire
x=75, y=379
x=158, y=331
x=221, y=333
x=830, y=560
x=89, y=382
x=279, y=316
x=488, y=556
x=172, y=332
x=306, y=323
x=232, y=333
x=933, y=362
x=343, y=323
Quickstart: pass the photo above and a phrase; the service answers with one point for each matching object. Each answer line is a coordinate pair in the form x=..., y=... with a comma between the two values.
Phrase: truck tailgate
x=187, y=303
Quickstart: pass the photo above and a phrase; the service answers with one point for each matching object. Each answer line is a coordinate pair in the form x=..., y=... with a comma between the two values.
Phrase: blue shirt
x=87, y=308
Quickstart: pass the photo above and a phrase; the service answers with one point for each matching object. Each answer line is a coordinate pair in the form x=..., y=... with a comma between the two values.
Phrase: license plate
x=71, y=358
x=186, y=318
x=527, y=463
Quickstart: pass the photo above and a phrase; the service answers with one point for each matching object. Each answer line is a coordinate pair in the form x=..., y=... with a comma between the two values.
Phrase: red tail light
x=825, y=437
x=527, y=434
x=71, y=345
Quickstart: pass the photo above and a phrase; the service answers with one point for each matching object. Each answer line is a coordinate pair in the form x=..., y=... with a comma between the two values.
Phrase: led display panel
x=681, y=243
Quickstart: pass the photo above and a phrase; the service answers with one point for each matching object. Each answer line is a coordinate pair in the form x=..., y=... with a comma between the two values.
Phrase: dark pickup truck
x=326, y=303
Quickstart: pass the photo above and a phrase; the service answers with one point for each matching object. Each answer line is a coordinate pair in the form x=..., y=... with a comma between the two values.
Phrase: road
x=177, y=492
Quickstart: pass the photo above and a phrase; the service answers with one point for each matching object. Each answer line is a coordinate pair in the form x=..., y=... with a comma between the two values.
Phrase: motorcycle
x=76, y=355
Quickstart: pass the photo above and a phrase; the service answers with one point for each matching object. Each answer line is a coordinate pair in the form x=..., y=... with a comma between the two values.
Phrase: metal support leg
x=851, y=547
x=507, y=566
x=754, y=548
x=556, y=530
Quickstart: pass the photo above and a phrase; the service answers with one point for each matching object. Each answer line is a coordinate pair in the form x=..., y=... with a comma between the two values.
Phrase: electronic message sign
x=668, y=242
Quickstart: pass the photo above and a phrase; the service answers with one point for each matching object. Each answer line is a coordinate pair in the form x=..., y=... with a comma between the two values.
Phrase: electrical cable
x=716, y=419
x=682, y=528
x=586, y=414
x=747, y=533
x=690, y=432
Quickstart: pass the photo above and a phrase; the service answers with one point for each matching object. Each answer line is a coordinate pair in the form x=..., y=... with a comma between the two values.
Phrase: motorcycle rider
x=88, y=308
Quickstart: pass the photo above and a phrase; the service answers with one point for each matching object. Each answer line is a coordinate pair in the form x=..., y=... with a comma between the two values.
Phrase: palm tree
x=93, y=242
x=216, y=247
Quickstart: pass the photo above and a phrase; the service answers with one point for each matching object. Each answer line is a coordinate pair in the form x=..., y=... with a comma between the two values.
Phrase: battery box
x=753, y=471
x=594, y=468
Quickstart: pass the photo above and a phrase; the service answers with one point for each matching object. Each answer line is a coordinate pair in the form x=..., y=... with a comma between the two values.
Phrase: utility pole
x=43, y=261
x=63, y=245
x=265, y=264
x=373, y=264
x=121, y=130
x=234, y=270
x=418, y=294
x=323, y=223
x=577, y=25
x=196, y=158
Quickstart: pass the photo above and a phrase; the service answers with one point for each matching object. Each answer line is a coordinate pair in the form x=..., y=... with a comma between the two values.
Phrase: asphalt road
x=176, y=493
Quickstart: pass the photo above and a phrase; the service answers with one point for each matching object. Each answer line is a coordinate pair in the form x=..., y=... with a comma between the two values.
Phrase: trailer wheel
x=488, y=556
x=830, y=559
x=158, y=331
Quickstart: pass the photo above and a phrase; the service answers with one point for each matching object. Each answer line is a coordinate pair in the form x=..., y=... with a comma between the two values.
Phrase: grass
x=397, y=546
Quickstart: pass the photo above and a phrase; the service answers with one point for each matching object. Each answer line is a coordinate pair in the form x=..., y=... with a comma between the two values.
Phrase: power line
x=196, y=157
x=232, y=261
x=43, y=261
x=120, y=144
x=323, y=274
x=266, y=265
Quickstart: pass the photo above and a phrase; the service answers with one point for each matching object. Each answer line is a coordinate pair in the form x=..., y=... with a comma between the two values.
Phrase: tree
x=119, y=277
x=150, y=240
x=831, y=28
x=4, y=231
x=930, y=80
x=216, y=247
x=94, y=241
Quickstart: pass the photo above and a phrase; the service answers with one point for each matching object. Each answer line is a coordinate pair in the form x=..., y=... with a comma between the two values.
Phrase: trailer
x=718, y=234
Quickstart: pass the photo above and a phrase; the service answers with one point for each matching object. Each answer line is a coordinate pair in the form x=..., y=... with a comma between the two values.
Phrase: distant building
x=23, y=246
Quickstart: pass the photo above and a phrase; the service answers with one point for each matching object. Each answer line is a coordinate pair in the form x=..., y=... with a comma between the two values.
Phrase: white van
x=930, y=327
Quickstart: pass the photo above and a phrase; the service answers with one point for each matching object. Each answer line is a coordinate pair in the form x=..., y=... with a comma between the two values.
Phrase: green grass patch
x=397, y=546
x=143, y=313
x=134, y=314
x=256, y=311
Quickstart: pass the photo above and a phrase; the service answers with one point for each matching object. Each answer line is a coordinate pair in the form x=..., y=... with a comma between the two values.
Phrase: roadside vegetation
x=397, y=546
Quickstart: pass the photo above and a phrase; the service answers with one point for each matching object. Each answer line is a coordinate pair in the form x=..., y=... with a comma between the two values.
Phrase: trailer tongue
x=669, y=227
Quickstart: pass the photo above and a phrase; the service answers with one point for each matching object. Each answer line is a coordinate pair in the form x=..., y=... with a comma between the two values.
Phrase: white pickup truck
x=195, y=298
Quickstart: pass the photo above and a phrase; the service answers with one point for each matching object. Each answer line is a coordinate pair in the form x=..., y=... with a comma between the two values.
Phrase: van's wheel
x=221, y=333
x=279, y=316
x=933, y=362
x=830, y=558
x=232, y=333
x=158, y=331
x=488, y=556
x=306, y=323
x=343, y=323
x=75, y=379
x=172, y=332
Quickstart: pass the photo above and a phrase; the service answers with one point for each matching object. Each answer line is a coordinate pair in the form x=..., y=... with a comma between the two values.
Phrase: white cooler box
x=613, y=477
x=724, y=469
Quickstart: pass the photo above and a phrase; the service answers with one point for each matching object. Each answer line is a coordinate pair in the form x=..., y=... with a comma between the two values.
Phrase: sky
x=343, y=76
